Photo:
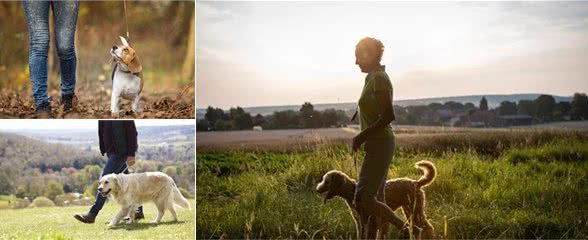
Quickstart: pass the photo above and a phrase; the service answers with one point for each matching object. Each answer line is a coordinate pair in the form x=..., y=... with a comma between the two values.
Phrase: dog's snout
x=99, y=189
x=114, y=47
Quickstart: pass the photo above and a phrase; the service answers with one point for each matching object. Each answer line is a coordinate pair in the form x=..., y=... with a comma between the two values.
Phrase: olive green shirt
x=370, y=108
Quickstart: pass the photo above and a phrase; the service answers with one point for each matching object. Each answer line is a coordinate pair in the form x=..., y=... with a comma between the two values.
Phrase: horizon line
x=405, y=99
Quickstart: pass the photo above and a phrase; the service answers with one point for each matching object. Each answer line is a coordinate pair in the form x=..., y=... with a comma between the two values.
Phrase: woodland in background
x=543, y=109
x=31, y=168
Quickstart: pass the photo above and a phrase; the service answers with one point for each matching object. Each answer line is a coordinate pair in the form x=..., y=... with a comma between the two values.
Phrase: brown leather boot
x=85, y=218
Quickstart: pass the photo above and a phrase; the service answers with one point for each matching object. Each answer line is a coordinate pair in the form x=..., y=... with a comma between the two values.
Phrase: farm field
x=58, y=223
x=301, y=138
x=501, y=183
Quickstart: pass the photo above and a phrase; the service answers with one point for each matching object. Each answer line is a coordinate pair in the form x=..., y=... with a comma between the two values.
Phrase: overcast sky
x=77, y=124
x=277, y=53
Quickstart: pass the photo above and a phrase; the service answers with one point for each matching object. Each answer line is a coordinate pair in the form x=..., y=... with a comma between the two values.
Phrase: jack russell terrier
x=127, y=79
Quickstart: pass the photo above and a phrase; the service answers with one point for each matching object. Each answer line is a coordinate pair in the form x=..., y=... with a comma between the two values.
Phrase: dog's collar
x=119, y=69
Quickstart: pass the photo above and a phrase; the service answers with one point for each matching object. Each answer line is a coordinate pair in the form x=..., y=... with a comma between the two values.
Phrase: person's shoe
x=67, y=101
x=139, y=215
x=43, y=111
x=85, y=218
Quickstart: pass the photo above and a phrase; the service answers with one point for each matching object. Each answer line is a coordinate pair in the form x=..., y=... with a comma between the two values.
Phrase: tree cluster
x=217, y=119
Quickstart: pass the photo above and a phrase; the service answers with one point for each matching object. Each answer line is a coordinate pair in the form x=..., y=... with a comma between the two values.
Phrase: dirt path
x=96, y=104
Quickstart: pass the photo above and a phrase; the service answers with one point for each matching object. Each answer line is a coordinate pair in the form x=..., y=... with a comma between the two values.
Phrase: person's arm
x=132, y=145
x=384, y=96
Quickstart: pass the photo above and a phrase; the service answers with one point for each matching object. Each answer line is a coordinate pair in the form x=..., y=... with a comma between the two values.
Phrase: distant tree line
x=542, y=109
x=217, y=119
x=31, y=168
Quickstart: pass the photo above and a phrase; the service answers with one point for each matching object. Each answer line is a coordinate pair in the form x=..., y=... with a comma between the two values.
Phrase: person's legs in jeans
x=37, y=16
x=66, y=15
x=115, y=164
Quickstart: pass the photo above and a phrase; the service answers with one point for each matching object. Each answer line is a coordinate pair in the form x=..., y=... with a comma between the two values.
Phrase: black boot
x=43, y=111
x=85, y=218
x=67, y=101
x=139, y=214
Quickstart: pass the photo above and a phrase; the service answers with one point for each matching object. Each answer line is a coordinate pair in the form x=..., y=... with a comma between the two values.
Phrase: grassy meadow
x=58, y=223
x=490, y=184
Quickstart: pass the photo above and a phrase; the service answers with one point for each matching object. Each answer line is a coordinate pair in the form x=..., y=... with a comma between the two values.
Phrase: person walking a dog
x=375, y=115
x=65, y=14
x=118, y=140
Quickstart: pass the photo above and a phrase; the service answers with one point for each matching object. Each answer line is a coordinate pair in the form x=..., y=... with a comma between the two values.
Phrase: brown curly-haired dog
x=402, y=193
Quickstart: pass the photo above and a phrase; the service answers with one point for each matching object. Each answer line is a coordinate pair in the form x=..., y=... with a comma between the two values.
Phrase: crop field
x=501, y=183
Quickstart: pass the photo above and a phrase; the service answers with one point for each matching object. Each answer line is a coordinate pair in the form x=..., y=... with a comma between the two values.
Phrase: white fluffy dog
x=132, y=190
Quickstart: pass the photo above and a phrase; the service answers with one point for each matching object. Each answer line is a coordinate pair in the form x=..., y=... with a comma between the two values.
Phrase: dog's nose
x=99, y=189
x=114, y=47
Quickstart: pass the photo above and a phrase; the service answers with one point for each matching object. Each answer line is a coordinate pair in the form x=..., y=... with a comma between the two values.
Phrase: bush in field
x=53, y=189
x=42, y=202
x=91, y=190
x=22, y=203
x=66, y=199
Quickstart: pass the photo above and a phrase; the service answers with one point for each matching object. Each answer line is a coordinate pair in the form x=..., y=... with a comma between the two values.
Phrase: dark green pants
x=374, y=169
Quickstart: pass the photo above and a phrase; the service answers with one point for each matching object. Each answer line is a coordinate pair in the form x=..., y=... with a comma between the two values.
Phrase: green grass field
x=58, y=223
x=527, y=186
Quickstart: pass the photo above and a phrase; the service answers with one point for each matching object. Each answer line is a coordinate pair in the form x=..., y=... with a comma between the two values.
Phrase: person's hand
x=130, y=161
x=357, y=141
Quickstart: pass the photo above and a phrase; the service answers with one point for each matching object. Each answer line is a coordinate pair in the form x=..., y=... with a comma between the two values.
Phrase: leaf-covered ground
x=95, y=103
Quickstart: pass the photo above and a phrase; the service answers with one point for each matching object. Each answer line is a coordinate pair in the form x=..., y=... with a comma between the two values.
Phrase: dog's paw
x=154, y=222
x=117, y=114
x=111, y=225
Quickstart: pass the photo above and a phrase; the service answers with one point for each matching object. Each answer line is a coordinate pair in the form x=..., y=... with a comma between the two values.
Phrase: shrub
x=53, y=189
x=42, y=202
x=91, y=190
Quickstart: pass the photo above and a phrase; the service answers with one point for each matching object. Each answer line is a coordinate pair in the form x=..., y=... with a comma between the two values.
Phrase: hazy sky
x=53, y=124
x=277, y=53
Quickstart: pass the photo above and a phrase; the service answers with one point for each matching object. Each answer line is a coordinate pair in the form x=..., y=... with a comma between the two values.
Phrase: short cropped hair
x=373, y=46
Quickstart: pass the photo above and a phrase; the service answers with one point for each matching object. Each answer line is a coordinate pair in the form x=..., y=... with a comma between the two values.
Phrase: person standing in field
x=118, y=140
x=375, y=115
x=37, y=16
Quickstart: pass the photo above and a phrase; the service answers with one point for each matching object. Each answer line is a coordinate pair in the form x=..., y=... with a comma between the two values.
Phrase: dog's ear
x=335, y=182
x=124, y=41
x=122, y=182
x=135, y=65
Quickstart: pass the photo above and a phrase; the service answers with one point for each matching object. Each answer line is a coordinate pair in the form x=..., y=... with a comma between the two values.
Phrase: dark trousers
x=115, y=164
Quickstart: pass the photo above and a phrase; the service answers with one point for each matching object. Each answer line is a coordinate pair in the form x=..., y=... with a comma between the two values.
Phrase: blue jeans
x=115, y=164
x=65, y=16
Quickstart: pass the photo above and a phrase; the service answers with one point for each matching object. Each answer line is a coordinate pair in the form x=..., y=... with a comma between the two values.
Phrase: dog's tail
x=179, y=199
x=429, y=173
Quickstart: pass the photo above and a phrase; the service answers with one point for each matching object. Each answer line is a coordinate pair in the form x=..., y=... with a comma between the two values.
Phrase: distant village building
x=480, y=118
x=516, y=120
